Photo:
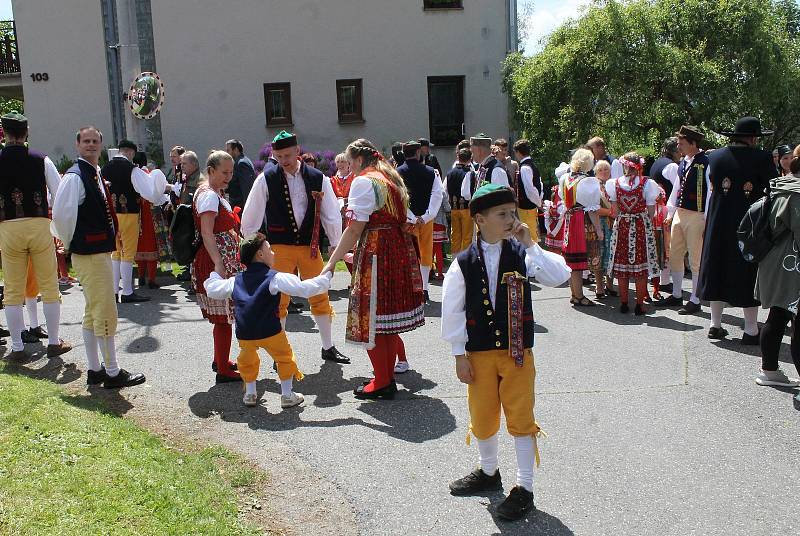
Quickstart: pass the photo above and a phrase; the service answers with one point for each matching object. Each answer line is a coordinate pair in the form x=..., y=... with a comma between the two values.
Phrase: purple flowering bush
x=326, y=159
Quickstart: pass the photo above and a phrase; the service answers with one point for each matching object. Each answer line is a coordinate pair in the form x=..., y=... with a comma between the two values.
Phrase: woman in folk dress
x=387, y=297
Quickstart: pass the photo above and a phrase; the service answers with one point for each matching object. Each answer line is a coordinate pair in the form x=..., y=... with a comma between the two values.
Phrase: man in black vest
x=665, y=172
x=488, y=168
x=425, y=198
x=26, y=179
x=529, y=188
x=686, y=216
x=85, y=221
x=740, y=174
x=128, y=184
x=427, y=157
x=461, y=224
x=296, y=199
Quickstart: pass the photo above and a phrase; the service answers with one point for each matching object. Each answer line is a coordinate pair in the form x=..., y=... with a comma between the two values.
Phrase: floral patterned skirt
x=387, y=292
x=633, y=247
x=216, y=311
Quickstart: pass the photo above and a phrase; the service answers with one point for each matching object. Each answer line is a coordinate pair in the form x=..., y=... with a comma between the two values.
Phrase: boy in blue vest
x=488, y=319
x=256, y=295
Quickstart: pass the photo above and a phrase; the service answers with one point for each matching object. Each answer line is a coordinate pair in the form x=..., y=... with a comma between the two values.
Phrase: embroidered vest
x=118, y=173
x=23, y=187
x=693, y=192
x=455, y=177
x=282, y=228
x=95, y=230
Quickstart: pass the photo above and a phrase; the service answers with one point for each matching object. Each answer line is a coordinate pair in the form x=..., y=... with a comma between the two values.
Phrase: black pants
x=772, y=335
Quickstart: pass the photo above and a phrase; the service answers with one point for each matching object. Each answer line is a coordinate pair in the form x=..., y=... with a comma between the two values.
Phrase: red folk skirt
x=153, y=243
x=574, y=247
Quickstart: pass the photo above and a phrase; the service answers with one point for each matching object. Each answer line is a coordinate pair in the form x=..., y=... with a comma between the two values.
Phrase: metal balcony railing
x=9, y=55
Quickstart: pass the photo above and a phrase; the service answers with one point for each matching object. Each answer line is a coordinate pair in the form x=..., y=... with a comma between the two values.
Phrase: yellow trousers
x=424, y=234
x=688, y=227
x=100, y=312
x=461, y=230
x=127, y=238
x=291, y=259
x=531, y=218
x=499, y=384
x=280, y=351
x=23, y=243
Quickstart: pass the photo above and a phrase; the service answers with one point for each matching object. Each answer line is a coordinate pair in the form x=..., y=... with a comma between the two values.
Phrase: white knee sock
x=16, y=323
x=52, y=316
x=487, y=448
x=524, y=448
x=324, y=327
x=33, y=313
x=286, y=387
x=250, y=388
x=716, y=313
x=693, y=297
x=126, y=273
x=109, y=351
x=677, y=282
x=283, y=323
x=750, y=320
x=426, y=273
x=664, y=275
x=115, y=275
x=90, y=345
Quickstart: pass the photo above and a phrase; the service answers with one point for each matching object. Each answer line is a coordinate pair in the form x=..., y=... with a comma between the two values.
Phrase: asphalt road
x=652, y=428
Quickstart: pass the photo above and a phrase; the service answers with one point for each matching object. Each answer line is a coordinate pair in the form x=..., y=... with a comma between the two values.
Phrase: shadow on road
x=538, y=522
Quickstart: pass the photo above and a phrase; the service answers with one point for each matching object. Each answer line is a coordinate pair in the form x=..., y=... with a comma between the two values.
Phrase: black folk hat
x=127, y=144
x=14, y=120
x=746, y=127
x=691, y=133
x=410, y=148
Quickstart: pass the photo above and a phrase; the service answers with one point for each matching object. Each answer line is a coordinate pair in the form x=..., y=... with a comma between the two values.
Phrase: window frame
x=358, y=116
x=460, y=80
x=429, y=5
x=286, y=88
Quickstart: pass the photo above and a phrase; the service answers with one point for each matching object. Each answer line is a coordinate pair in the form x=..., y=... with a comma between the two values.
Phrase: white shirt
x=617, y=170
x=587, y=193
x=499, y=176
x=218, y=288
x=672, y=202
x=548, y=268
x=434, y=204
x=151, y=187
x=208, y=200
x=651, y=189
x=256, y=205
x=526, y=175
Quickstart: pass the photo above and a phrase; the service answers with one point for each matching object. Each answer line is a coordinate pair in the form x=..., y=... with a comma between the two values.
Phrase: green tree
x=634, y=71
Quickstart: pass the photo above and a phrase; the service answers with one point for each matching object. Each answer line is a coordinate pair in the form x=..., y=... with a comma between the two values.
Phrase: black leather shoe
x=427, y=296
x=4, y=332
x=750, y=340
x=28, y=337
x=96, y=377
x=184, y=276
x=689, y=309
x=123, y=379
x=639, y=310
x=717, y=333
x=476, y=482
x=670, y=301
x=384, y=393
x=133, y=298
x=517, y=504
x=55, y=350
x=38, y=332
x=224, y=378
x=624, y=308
x=153, y=285
x=332, y=354
x=234, y=366
x=667, y=288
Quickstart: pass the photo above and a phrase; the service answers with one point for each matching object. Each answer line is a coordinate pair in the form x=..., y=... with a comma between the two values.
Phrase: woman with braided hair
x=380, y=307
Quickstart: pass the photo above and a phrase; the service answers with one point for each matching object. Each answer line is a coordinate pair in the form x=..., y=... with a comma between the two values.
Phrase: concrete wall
x=65, y=40
x=214, y=59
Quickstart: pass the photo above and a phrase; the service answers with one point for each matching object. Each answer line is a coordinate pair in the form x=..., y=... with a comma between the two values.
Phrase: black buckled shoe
x=133, y=298
x=670, y=301
x=234, y=366
x=38, y=332
x=750, y=340
x=689, y=309
x=476, y=482
x=124, y=379
x=717, y=333
x=516, y=505
x=96, y=377
x=224, y=378
x=28, y=337
x=4, y=332
x=332, y=354
x=384, y=393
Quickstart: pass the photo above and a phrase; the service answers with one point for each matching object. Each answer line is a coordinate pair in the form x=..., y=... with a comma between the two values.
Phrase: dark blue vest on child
x=254, y=306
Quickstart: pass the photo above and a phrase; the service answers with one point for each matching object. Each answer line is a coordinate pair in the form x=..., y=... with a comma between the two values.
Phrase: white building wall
x=65, y=40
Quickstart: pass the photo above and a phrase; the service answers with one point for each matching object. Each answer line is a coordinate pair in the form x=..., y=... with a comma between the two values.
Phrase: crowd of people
x=260, y=238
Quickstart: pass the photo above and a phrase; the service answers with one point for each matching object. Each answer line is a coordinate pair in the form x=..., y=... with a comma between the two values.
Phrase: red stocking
x=623, y=289
x=63, y=271
x=222, y=349
x=399, y=348
x=656, y=285
x=382, y=358
x=439, y=255
x=641, y=289
x=151, y=270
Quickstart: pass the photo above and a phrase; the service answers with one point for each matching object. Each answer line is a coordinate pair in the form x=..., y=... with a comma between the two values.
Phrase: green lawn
x=68, y=467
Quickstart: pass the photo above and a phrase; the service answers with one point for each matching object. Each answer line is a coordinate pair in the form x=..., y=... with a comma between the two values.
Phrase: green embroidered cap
x=283, y=140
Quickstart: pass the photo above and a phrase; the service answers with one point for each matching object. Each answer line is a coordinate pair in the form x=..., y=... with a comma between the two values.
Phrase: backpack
x=183, y=237
x=754, y=233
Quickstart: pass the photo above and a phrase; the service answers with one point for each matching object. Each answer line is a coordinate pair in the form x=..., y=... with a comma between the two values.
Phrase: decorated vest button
x=497, y=332
x=497, y=344
x=488, y=313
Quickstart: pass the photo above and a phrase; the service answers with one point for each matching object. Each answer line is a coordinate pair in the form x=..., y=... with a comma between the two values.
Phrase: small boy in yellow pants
x=487, y=317
x=256, y=295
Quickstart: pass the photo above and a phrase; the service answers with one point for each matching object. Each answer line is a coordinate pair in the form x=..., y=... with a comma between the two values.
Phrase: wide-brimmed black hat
x=425, y=142
x=747, y=126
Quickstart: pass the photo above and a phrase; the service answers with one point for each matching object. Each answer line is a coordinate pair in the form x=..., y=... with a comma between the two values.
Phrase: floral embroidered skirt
x=387, y=292
x=605, y=261
x=633, y=247
x=216, y=311
x=153, y=235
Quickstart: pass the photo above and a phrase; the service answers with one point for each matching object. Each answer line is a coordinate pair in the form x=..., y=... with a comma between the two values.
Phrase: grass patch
x=67, y=466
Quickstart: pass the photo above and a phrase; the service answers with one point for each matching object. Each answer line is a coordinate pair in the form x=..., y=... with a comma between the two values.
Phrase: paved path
x=652, y=428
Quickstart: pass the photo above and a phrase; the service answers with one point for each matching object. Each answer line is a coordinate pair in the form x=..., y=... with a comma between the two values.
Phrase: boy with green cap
x=487, y=317
x=256, y=294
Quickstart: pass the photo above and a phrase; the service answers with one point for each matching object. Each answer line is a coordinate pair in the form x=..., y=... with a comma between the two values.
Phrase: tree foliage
x=634, y=71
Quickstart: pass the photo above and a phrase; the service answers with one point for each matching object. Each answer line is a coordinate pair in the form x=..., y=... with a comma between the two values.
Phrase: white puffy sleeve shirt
x=362, y=200
x=208, y=201
x=651, y=190
x=587, y=194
